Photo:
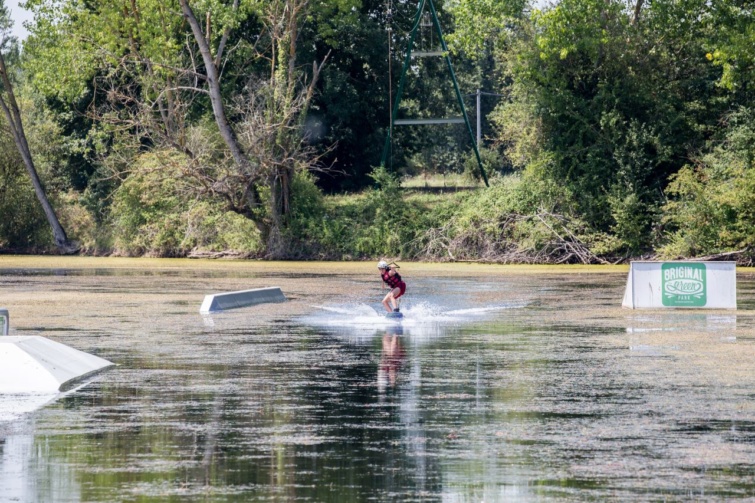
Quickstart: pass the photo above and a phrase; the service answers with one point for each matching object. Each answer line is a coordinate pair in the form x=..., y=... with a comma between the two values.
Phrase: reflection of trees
x=277, y=425
x=378, y=438
x=18, y=479
x=290, y=416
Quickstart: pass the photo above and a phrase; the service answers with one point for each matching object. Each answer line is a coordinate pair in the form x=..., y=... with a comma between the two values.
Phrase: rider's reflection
x=391, y=358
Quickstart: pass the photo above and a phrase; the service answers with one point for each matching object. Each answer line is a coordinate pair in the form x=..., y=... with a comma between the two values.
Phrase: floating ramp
x=681, y=284
x=231, y=300
x=34, y=364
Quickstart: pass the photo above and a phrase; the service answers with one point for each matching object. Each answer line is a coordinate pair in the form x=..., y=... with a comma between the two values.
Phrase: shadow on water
x=489, y=389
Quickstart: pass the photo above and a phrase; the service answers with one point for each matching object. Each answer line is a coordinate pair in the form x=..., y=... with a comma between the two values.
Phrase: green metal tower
x=430, y=121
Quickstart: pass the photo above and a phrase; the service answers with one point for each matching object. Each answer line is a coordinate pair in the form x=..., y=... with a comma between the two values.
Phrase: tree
x=213, y=83
x=273, y=121
x=10, y=108
x=609, y=99
x=159, y=72
x=731, y=44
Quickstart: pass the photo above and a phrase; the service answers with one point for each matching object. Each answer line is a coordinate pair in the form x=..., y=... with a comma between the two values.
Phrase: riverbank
x=515, y=221
x=333, y=267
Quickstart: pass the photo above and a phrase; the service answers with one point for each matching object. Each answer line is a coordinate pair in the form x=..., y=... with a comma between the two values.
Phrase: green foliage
x=730, y=46
x=303, y=231
x=435, y=159
x=492, y=162
x=518, y=219
x=47, y=142
x=210, y=228
x=146, y=210
x=515, y=220
x=387, y=187
x=632, y=199
x=71, y=42
x=712, y=205
x=603, y=106
x=481, y=23
x=23, y=225
x=306, y=199
x=392, y=219
x=80, y=224
x=609, y=101
x=155, y=214
x=362, y=228
x=379, y=222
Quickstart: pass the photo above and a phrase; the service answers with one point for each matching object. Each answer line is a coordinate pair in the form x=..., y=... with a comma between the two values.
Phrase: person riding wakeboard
x=390, y=276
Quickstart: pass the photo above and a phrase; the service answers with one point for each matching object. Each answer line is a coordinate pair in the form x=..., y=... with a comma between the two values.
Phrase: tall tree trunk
x=637, y=11
x=213, y=82
x=13, y=115
x=218, y=109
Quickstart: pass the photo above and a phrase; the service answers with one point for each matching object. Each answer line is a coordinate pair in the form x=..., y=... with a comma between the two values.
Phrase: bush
x=209, y=228
x=492, y=162
x=378, y=222
x=154, y=214
x=303, y=223
x=80, y=224
x=711, y=206
x=23, y=225
x=520, y=219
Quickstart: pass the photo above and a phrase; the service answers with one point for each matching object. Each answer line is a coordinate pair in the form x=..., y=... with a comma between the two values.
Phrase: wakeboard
x=394, y=315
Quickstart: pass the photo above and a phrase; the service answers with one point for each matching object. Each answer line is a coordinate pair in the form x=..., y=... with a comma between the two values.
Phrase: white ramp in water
x=681, y=284
x=34, y=364
x=230, y=300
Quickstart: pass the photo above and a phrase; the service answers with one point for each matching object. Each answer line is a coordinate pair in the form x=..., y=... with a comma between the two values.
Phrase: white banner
x=685, y=284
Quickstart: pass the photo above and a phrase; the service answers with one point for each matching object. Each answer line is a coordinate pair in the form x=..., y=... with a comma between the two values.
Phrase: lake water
x=500, y=384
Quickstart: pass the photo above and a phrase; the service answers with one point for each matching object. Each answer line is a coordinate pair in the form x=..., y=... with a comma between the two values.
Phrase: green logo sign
x=683, y=285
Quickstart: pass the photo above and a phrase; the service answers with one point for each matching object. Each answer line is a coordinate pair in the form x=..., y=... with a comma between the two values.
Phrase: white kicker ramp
x=230, y=300
x=34, y=364
x=681, y=284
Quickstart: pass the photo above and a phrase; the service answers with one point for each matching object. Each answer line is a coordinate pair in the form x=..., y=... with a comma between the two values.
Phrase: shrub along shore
x=517, y=220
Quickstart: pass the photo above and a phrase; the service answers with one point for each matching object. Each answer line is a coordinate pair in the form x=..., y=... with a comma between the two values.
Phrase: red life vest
x=392, y=281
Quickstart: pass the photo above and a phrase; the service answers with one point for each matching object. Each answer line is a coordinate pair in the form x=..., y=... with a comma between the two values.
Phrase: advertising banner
x=681, y=284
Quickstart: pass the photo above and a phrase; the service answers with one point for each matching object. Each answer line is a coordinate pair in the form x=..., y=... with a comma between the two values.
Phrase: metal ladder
x=407, y=61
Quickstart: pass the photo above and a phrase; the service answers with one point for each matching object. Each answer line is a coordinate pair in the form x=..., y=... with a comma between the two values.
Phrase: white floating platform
x=231, y=300
x=34, y=364
x=681, y=284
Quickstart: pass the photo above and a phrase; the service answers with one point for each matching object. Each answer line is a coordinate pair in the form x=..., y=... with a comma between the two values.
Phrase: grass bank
x=519, y=219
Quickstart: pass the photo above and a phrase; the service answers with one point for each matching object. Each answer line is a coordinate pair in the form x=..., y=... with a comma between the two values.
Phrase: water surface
x=499, y=385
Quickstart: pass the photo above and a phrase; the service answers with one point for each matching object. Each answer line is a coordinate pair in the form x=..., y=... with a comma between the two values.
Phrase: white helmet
x=382, y=264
